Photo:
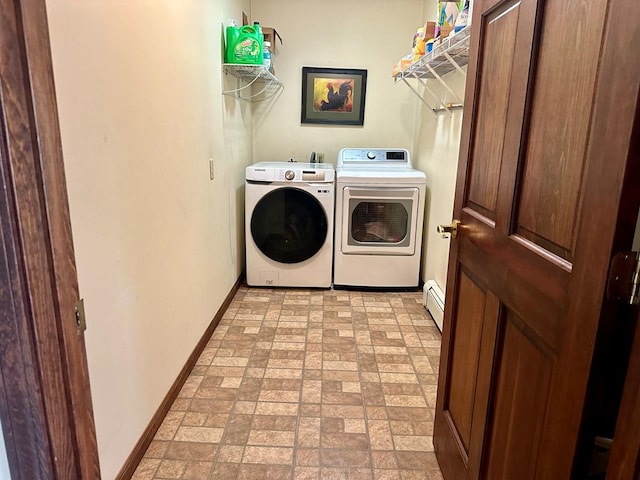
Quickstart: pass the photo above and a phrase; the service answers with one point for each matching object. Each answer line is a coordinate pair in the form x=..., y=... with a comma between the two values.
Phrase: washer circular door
x=289, y=225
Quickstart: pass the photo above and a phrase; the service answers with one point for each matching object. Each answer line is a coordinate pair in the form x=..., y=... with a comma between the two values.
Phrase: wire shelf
x=267, y=85
x=439, y=60
x=450, y=55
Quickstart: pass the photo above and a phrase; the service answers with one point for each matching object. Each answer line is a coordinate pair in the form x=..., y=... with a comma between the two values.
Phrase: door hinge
x=81, y=321
x=624, y=278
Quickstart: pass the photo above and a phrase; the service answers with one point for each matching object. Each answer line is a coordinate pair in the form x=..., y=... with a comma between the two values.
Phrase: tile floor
x=307, y=384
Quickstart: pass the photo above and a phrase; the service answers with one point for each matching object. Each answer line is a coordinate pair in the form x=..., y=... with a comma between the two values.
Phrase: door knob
x=452, y=229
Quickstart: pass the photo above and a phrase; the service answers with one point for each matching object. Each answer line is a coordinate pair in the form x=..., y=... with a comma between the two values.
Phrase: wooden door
x=545, y=190
x=45, y=400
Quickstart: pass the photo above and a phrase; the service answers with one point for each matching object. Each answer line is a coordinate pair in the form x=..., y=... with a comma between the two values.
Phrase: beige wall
x=436, y=150
x=372, y=35
x=437, y=146
x=158, y=244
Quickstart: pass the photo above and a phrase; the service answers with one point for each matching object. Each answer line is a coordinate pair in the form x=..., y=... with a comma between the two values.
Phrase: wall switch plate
x=212, y=173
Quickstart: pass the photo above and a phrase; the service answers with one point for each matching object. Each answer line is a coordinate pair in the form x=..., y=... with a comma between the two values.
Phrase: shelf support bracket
x=431, y=92
x=454, y=63
x=418, y=94
x=236, y=91
x=248, y=76
x=444, y=84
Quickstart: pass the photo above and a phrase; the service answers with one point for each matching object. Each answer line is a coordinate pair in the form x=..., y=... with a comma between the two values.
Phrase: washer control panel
x=290, y=172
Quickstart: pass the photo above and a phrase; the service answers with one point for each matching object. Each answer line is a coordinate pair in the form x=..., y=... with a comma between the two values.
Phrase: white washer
x=380, y=202
x=289, y=224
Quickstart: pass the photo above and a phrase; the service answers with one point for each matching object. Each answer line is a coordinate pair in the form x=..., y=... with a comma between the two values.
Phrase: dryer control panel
x=374, y=157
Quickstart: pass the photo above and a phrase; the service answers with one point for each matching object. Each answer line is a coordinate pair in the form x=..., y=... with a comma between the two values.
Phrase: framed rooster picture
x=333, y=95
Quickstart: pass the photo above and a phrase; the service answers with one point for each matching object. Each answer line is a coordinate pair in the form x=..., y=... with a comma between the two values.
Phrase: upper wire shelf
x=454, y=48
x=267, y=84
x=451, y=54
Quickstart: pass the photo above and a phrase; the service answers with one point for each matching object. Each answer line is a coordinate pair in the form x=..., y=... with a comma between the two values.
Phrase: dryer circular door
x=289, y=225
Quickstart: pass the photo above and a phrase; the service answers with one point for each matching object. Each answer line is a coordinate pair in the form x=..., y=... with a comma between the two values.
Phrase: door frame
x=45, y=398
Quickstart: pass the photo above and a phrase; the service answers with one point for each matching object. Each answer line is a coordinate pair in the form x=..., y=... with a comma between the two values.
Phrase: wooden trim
x=130, y=465
x=45, y=401
x=22, y=408
x=58, y=223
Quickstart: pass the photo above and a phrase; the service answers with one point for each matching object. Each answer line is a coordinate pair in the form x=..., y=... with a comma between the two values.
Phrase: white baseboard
x=433, y=301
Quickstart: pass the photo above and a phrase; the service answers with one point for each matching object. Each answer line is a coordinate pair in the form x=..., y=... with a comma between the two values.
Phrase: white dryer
x=289, y=211
x=380, y=202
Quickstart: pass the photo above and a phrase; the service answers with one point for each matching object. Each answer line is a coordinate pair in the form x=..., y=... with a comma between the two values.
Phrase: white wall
x=158, y=244
x=4, y=463
x=371, y=35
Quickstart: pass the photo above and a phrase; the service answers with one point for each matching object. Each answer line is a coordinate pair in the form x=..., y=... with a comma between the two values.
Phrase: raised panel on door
x=521, y=391
x=464, y=361
x=561, y=114
x=464, y=401
x=499, y=35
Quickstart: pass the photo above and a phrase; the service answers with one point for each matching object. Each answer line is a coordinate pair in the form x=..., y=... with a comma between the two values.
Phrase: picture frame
x=333, y=96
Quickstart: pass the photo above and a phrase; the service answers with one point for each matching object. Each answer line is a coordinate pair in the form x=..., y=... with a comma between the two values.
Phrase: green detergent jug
x=232, y=32
x=244, y=45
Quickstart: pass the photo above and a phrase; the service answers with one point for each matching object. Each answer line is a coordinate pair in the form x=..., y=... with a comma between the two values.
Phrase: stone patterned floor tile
x=301, y=384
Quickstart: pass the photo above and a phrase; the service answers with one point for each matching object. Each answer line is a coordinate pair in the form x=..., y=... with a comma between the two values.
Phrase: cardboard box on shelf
x=442, y=34
x=270, y=35
x=429, y=30
x=402, y=65
x=445, y=31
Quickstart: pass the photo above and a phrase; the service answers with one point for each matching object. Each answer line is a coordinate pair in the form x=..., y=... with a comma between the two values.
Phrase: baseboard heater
x=433, y=301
